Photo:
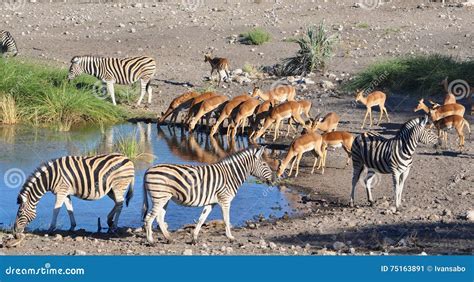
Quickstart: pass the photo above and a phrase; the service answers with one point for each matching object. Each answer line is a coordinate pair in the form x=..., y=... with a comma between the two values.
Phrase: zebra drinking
x=198, y=186
x=88, y=178
x=116, y=70
x=388, y=156
x=7, y=44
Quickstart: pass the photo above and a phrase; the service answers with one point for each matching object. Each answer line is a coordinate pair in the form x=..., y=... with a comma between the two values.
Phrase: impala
x=219, y=65
x=281, y=93
x=327, y=123
x=376, y=98
x=440, y=111
x=196, y=104
x=458, y=122
x=207, y=107
x=262, y=112
x=246, y=110
x=178, y=104
x=449, y=98
x=228, y=111
x=337, y=139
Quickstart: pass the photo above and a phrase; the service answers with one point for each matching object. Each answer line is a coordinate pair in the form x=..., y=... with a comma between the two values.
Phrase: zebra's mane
x=408, y=126
x=33, y=177
x=230, y=158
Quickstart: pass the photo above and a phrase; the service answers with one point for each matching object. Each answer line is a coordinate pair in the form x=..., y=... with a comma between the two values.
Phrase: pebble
x=470, y=215
x=58, y=237
x=79, y=253
x=338, y=245
x=188, y=252
x=273, y=246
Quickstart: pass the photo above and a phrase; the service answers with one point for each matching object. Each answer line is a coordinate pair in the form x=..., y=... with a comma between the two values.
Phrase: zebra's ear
x=260, y=151
x=424, y=120
x=75, y=59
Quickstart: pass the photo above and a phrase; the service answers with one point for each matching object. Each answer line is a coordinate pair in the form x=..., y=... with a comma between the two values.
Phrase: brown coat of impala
x=196, y=104
x=246, y=110
x=337, y=139
x=458, y=122
x=261, y=113
x=376, y=98
x=309, y=142
x=219, y=65
x=449, y=98
x=327, y=123
x=278, y=114
x=280, y=94
x=178, y=104
x=229, y=110
x=207, y=107
x=440, y=111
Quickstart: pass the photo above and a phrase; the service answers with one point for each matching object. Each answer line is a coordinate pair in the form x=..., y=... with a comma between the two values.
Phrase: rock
x=242, y=80
x=58, y=237
x=262, y=244
x=133, y=30
x=121, y=25
x=470, y=215
x=325, y=252
x=338, y=245
x=423, y=254
x=327, y=85
x=433, y=217
x=79, y=239
x=188, y=252
x=137, y=5
x=237, y=72
x=447, y=212
x=273, y=246
x=229, y=250
x=79, y=253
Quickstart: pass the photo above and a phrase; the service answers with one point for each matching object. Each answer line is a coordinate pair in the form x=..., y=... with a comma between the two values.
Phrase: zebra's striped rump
x=200, y=186
x=88, y=178
x=7, y=43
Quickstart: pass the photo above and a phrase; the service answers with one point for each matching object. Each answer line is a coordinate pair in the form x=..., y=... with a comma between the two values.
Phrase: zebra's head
x=426, y=136
x=75, y=69
x=260, y=168
x=26, y=212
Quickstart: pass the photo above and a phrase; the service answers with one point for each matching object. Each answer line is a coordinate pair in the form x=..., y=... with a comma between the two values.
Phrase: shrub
x=316, y=47
x=249, y=68
x=256, y=36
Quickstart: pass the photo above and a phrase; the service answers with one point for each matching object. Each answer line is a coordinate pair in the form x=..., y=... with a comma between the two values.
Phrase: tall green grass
x=43, y=96
x=256, y=36
x=419, y=74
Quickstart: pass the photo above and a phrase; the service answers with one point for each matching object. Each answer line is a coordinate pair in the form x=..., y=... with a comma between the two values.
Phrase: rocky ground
x=439, y=191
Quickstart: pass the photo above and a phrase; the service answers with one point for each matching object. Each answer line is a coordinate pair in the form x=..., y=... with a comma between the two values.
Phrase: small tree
x=316, y=47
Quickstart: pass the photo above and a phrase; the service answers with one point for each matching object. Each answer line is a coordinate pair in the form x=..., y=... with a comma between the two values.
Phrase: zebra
x=88, y=178
x=116, y=70
x=197, y=186
x=7, y=44
x=388, y=156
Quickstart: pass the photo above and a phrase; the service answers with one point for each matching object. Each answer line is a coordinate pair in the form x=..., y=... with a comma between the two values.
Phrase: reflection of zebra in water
x=200, y=186
x=7, y=44
x=116, y=70
x=388, y=156
x=88, y=178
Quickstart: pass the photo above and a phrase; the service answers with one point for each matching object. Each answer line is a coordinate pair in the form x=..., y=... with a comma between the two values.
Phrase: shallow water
x=22, y=149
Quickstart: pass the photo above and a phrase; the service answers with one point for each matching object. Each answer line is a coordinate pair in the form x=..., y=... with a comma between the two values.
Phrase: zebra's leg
x=110, y=89
x=403, y=178
x=57, y=207
x=355, y=178
x=202, y=218
x=368, y=185
x=225, y=206
x=160, y=216
x=396, y=187
x=70, y=211
x=142, y=91
x=149, y=91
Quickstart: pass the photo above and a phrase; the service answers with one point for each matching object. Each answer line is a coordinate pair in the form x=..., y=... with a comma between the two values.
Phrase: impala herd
x=260, y=110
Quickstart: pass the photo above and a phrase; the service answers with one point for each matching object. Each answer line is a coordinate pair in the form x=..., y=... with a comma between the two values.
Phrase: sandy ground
x=440, y=187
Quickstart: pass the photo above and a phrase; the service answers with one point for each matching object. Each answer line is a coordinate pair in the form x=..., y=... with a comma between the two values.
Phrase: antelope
x=376, y=98
x=337, y=139
x=246, y=110
x=437, y=111
x=261, y=113
x=458, y=122
x=449, y=98
x=283, y=111
x=305, y=143
x=178, y=104
x=305, y=109
x=327, y=123
x=281, y=93
x=196, y=104
x=207, y=107
x=229, y=109
x=218, y=64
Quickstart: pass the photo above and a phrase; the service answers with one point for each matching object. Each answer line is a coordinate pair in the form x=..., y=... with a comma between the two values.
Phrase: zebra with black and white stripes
x=7, y=44
x=88, y=178
x=197, y=186
x=117, y=70
x=388, y=156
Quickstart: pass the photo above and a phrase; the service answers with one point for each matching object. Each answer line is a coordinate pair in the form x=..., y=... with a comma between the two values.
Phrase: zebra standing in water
x=388, y=156
x=7, y=44
x=198, y=186
x=88, y=178
x=116, y=70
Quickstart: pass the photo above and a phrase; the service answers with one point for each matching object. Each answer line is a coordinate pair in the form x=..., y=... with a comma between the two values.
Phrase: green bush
x=420, y=74
x=256, y=36
x=43, y=96
x=316, y=47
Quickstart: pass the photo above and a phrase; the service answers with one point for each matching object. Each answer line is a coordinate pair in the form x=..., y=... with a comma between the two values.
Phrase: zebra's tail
x=129, y=194
x=145, y=199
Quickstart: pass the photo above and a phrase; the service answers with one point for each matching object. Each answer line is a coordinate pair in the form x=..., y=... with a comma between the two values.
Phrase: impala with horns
x=446, y=123
x=337, y=139
x=207, y=107
x=246, y=110
x=278, y=114
x=229, y=111
x=376, y=98
x=281, y=93
x=440, y=111
x=309, y=142
x=180, y=103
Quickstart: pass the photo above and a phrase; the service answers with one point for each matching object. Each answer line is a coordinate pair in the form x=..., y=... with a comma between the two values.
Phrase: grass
x=362, y=25
x=249, y=68
x=8, y=110
x=316, y=47
x=390, y=30
x=419, y=74
x=43, y=96
x=256, y=36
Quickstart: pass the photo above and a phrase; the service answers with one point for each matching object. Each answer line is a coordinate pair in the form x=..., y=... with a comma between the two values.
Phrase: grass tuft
x=256, y=36
x=8, y=110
